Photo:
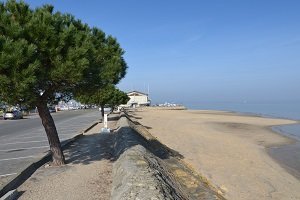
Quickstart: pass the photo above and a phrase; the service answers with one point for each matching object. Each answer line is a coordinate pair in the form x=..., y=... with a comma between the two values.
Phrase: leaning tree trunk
x=54, y=143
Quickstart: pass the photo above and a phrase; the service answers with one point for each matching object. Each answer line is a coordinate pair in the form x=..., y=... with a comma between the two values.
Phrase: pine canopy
x=47, y=55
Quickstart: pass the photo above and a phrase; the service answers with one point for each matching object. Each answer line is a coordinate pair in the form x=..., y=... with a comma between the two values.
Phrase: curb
x=18, y=179
x=90, y=127
x=11, y=195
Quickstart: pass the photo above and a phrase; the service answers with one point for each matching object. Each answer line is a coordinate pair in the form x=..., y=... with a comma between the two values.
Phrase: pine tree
x=109, y=95
x=46, y=56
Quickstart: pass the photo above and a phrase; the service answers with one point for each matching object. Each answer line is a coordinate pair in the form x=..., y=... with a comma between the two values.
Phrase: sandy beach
x=227, y=149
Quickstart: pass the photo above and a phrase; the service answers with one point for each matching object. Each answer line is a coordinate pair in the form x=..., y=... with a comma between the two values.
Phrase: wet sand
x=228, y=149
x=288, y=157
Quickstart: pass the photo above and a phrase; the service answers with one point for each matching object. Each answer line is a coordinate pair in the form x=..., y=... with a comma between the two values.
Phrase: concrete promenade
x=87, y=174
x=22, y=141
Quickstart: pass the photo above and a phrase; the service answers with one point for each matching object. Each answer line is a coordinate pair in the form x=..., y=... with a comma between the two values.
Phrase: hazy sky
x=195, y=51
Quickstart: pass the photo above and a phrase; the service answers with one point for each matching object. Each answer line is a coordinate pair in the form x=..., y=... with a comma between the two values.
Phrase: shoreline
x=230, y=149
x=268, y=110
x=284, y=154
x=253, y=114
x=280, y=153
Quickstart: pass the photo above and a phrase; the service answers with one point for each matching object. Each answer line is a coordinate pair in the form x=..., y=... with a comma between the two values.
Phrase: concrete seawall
x=146, y=169
x=137, y=173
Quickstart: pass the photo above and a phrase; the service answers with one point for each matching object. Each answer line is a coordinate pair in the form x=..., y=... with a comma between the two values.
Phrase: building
x=138, y=99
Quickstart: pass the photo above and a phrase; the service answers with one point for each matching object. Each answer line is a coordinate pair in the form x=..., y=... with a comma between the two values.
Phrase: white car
x=16, y=114
x=106, y=109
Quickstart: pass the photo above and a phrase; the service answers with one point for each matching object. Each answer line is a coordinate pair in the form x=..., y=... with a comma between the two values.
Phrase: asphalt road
x=21, y=141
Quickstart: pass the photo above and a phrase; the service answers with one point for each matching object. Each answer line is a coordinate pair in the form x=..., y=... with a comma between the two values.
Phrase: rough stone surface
x=138, y=174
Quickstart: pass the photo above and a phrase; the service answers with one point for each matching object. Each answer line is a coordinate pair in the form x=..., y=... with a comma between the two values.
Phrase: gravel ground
x=87, y=174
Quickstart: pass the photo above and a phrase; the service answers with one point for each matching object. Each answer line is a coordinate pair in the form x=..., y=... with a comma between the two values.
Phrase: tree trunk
x=102, y=110
x=54, y=143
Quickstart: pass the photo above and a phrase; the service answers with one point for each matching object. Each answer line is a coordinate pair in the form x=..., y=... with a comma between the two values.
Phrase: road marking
x=13, y=138
x=9, y=138
x=21, y=149
x=24, y=142
x=5, y=159
x=35, y=136
x=38, y=136
x=61, y=140
x=5, y=175
x=36, y=131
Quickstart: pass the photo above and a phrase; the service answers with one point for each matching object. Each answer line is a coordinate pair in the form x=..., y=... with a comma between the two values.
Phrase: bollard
x=105, y=129
x=105, y=121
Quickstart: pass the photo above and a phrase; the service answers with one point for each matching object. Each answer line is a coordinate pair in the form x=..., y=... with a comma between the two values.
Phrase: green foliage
x=119, y=97
x=109, y=95
x=47, y=55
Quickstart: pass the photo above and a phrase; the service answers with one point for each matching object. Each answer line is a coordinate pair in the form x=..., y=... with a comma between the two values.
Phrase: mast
x=148, y=90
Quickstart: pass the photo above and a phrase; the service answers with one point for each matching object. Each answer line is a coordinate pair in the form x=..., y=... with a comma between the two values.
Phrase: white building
x=138, y=99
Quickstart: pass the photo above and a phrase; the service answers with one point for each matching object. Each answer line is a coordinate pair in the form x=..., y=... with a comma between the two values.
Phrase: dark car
x=52, y=109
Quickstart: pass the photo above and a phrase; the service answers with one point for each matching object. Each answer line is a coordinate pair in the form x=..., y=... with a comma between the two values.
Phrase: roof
x=136, y=93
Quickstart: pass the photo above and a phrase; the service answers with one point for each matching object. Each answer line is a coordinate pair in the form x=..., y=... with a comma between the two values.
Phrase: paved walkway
x=87, y=174
x=23, y=141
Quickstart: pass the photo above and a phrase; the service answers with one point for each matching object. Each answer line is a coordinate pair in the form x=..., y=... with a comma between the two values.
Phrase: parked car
x=51, y=109
x=16, y=114
x=107, y=109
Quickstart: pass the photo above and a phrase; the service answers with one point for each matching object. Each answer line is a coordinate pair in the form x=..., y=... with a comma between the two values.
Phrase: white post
x=105, y=121
x=105, y=129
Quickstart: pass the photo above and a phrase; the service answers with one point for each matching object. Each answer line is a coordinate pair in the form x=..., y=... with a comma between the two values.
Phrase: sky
x=201, y=50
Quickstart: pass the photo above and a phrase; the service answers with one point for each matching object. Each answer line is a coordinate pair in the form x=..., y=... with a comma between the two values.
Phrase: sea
x=288, y=156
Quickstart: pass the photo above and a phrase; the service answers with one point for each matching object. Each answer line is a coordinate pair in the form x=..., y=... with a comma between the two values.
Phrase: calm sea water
x=281, y=110
x=288, y=155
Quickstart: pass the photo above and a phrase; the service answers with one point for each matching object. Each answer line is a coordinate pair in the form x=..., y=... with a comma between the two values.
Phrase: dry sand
x=227, y=149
